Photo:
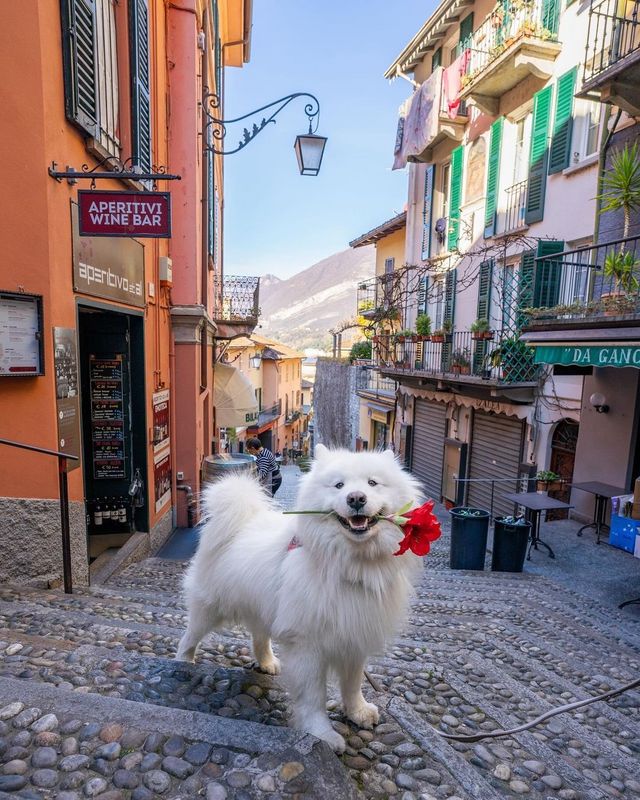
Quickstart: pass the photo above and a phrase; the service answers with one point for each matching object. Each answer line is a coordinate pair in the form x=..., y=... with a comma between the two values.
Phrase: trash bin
x=216, y=467
x=510, y=538
x=469, y=527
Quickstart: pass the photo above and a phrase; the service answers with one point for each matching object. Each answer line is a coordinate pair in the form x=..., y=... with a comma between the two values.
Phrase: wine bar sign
x=136, y=214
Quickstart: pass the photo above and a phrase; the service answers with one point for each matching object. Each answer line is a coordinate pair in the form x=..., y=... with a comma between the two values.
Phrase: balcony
x=370, y=383
x=292, y=416
x=268, y=415
x=500, y=362
x=518, y=39
x=516, y=206
x=236, y=308
x=612, y=62
x=374, y=298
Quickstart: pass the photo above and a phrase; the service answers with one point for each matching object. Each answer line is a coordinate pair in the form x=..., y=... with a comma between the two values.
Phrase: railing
x=269, y=414
x=612, y=36
x=599, y=281
x=370, y=381
x=292, y=416
x=522, y=483
x=459, y=355
x=237, y=298
x=64, y=504
x=510, y=21
x=375, y=295
x=516, y=206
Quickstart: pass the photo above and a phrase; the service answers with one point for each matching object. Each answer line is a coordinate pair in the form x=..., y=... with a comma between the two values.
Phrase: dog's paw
x=333, y=739
x=189, y=659
x=365, y=715
x=271, y=667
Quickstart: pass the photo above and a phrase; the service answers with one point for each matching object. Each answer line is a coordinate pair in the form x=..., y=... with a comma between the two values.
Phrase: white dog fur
x=330, y=603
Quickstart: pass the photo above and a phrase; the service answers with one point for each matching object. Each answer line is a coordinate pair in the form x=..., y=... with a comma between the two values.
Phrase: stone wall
x=336, y=406
x=31, y=542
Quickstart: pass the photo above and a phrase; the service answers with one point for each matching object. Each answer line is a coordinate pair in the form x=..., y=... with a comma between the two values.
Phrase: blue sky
x=277, y=221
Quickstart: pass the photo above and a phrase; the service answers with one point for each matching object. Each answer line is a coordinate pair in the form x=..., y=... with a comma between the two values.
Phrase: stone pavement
x=91, y=703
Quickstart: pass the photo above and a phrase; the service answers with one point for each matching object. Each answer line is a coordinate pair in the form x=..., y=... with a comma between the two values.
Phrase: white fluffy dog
x=330, y=602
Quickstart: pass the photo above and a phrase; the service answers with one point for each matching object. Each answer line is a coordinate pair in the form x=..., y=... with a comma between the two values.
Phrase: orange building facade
x=122, y=370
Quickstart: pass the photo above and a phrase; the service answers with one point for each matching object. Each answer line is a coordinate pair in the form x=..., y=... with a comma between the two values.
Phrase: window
x=389, y=265
x=107, y=75
x=586, y=130
x=438, y=310
x=259, y=398
x=521, y=160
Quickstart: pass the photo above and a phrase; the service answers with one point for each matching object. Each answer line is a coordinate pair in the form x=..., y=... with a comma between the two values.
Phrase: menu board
x=161, y=449
x=107, y=417
x=65, y=362
x=21, y=353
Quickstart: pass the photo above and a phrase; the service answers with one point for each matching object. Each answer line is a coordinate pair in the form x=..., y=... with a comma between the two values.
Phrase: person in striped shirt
x=268, y=470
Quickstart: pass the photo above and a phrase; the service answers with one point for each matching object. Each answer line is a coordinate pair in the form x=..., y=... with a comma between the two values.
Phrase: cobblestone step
x=52, y=746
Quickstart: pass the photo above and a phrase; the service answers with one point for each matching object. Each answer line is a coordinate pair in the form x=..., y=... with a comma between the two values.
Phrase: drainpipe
x=191, y=513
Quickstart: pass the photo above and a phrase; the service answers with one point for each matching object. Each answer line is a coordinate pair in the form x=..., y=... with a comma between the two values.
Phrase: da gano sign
x=137, y=214
x=590, y=355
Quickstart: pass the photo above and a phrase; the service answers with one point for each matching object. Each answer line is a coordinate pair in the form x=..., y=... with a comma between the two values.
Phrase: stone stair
x=92, y=704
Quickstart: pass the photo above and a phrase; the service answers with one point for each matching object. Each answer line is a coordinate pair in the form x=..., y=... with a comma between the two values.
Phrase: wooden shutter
x=423, y=288
x=560, y=150
x=493, y=178
x=427, y=211
x=449, y=313
x=525, y=286
x=455, y=197
x=436, y=59
x=79, y=63
x=538, y=155
x=546, y=288
x=551, y=15
x=140, y=85
x=484, y=306
x=466, y=30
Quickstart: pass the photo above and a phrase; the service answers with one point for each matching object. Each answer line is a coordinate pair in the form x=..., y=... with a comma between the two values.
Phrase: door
x=113, y=426
x=427, y=449
x=496, y=452
x=563, y=456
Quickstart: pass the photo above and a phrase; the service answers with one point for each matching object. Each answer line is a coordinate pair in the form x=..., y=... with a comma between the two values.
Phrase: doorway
x=562, y=462
x=113, y=427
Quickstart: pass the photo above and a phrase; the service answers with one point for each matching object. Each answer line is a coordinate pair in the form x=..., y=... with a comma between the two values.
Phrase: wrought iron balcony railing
x=292, y=416
x=237, y=298
x=369, y=381
x=600, y=282
x=516, y=206
x=460, y=355
x=269, y=414
x=508, y=22
x=614, y=34
x=375, y=297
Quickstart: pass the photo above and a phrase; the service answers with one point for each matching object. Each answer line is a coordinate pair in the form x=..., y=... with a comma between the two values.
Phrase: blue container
x=623, y=532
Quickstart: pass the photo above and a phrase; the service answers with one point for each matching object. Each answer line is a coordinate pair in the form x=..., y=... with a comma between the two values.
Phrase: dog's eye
x=339, y=485
x=371, y=482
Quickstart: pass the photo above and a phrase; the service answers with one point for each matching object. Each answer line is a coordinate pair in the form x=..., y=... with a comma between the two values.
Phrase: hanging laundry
x=419, y=125
x=452, y=83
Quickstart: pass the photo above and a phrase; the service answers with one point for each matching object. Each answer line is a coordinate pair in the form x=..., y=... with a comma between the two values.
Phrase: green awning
x=589, y=355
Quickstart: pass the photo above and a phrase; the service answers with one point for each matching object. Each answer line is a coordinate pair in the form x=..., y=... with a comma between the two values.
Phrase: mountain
x=301, y=310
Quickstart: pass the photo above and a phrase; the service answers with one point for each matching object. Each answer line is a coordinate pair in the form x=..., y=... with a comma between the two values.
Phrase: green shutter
x=466, y=30
x=427, y=211
x=79, y=63
x=140, y=84
x=560, y=150
x=546, y=286
x=493, y=178
x=455, y=196
x=449, y=312
x=436, y=59
x=550, y=16
x=484, y=307
x=538, y=155
x=525, y=286
x=423, y=294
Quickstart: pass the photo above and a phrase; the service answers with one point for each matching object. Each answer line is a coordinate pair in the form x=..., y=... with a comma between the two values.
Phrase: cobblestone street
x=92, y=705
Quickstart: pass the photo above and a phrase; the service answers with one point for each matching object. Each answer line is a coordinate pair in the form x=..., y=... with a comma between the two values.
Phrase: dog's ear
x=320, y=452
x=389, y=454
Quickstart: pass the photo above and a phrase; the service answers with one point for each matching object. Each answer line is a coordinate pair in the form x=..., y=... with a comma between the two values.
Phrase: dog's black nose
x=356, y=500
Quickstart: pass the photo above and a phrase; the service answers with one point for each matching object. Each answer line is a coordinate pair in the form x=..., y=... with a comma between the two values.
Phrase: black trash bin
x=469, y=528
x=510, y=538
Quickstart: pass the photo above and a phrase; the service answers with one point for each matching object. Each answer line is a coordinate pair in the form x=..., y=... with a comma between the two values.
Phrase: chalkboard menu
x=107, y=417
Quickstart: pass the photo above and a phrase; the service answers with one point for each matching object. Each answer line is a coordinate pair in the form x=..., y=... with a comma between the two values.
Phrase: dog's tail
x=229, y=505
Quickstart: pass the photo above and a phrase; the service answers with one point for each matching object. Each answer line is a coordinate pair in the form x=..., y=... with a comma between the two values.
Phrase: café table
x=603, y=492
x=535, y=504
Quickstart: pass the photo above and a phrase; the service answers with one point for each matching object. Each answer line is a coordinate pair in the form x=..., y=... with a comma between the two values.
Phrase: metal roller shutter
x=429, y=427
x=496, y=452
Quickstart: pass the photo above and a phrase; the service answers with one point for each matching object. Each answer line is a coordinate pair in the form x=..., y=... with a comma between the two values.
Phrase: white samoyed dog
x=331, y=600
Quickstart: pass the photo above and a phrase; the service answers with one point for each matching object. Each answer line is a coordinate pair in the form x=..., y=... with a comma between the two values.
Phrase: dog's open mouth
x=358, y=523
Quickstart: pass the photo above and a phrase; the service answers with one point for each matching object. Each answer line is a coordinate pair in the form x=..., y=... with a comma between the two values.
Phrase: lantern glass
x=255, y=361
x=309, y=150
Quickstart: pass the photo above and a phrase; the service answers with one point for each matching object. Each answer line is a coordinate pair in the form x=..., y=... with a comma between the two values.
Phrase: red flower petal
x=420, y=529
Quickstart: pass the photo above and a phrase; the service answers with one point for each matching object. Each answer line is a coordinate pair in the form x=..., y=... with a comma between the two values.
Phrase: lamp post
x=309, y=147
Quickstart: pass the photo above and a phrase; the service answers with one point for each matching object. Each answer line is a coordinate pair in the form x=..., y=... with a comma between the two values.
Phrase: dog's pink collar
x=294, y=544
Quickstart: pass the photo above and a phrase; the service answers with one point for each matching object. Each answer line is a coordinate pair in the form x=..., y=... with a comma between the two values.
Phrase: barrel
x=219, y=466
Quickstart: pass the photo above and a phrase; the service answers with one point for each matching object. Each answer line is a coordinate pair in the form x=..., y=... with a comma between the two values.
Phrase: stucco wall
x=336, y=404
x=32, y=544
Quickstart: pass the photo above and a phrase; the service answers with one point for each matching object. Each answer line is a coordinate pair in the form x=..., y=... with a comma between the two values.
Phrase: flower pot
x=509, y=546
x=542, y=486
x=488, y=335
x=437, y=338
x=468, y=538
x=424, y=338
x=477, y=335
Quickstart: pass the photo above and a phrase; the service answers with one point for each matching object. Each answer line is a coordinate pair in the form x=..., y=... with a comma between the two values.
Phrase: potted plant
x=515, y=357
x=423, y=327
x=405, y=336
x=480, y=329
x=547, y=480
x=360, y=351
x=460, y=363
x=443, y=334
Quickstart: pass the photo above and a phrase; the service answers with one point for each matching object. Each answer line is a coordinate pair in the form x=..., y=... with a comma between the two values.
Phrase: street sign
x=135, y=214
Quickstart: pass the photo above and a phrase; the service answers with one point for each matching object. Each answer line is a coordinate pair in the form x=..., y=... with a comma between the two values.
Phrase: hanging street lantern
x=309, y=151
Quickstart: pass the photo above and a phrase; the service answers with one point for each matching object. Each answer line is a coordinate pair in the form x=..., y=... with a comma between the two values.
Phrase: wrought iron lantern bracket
x=122, y=170
x=216, y=129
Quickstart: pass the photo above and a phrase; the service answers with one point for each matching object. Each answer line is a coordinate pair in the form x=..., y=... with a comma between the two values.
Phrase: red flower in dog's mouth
x=420, y=528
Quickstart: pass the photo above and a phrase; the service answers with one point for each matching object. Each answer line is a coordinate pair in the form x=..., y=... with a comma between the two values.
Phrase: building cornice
x=187, y=323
